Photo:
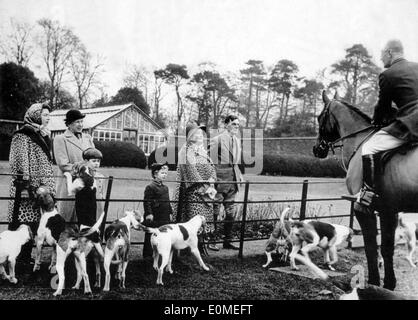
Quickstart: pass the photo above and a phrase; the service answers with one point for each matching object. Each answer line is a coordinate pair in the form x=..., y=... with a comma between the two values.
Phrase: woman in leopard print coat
x=30, y=155
x=194, y=164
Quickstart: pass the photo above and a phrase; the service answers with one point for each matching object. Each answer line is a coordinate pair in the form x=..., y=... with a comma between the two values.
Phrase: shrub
x=301, y=166
x=121, y=154
x=171, y=159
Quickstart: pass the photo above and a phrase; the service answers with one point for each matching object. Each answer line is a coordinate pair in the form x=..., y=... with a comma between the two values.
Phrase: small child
x=157, y=212
x=86, y=198
x=94, y=158
x=85, y=187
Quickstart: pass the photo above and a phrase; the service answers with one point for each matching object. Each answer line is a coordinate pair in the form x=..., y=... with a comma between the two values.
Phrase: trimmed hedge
x=301, y=166
x=121, y=154
x=172, y=159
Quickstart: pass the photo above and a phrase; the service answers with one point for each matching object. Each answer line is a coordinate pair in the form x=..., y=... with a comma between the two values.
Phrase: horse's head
x=328, y=129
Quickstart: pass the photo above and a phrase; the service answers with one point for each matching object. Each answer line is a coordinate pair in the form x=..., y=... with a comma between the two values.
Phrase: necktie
x=232, y=149
x=78, y=135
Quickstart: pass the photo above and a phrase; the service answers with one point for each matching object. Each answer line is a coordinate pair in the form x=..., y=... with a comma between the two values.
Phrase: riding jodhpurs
x=380, y=141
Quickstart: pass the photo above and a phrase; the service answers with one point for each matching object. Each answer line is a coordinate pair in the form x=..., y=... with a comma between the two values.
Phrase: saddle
x=355, y=175
x=403, y=149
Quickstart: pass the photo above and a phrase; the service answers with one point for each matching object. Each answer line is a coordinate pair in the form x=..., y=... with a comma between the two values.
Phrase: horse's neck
x=352, y=145
x=348, y=123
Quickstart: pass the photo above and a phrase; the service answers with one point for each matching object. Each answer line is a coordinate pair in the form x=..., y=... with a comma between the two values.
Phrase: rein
x=332, y=145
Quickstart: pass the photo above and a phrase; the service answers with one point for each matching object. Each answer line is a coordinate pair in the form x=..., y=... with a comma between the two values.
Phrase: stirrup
x=367, y=197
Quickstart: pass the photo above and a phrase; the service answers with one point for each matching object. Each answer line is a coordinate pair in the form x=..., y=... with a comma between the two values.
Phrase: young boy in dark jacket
x=157, y=211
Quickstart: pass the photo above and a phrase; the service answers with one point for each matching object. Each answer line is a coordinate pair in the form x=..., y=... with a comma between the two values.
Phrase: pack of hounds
x=66, y=239
x=292, y=239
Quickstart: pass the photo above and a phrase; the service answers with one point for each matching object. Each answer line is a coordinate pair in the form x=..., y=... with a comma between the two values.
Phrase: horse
x=343, y=124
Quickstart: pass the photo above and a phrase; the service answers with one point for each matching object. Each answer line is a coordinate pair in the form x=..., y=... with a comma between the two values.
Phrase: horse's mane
x=356, y=110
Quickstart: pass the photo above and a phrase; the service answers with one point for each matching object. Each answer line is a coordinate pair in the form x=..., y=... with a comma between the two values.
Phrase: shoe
x=213, y=247
x=229, y=245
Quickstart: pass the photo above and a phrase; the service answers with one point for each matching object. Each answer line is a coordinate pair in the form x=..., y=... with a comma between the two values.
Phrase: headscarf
x=34, y=130
x=33, y=118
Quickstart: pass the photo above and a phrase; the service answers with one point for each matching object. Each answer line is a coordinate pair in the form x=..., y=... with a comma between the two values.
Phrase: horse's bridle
x=325, y=145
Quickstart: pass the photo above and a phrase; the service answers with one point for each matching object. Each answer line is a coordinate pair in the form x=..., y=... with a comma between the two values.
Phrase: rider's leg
x=380, y=141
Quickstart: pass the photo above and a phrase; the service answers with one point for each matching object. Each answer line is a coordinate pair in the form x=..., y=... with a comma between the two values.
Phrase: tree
x=309, y=93
x=282, y=80
x=296, y=125
x=357, y=73
x=127, y=95
x=63, y=98
x=213, y=95
x=139, y=77
x=57, y=44
x=253, y=75
x=16, y=46
x=19, y=88
x=175, y=74
x=85, y=73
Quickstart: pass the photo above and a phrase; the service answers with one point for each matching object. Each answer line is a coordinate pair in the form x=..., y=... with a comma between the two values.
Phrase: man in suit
x=68, y=153
x=398, y=84
x=225, y=151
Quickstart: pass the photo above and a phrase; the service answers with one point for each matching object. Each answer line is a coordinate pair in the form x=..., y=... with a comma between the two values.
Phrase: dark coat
x=155, y=195
x=399, y=84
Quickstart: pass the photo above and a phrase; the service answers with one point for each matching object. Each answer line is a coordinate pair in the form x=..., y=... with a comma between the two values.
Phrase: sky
x=312, y=33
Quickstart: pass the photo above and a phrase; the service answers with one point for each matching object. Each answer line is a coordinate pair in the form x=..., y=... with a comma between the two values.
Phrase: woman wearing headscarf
x=30, y=156
x=194, y=165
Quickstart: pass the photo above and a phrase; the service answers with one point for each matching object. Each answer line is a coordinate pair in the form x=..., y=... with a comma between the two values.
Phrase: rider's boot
x=367, y=198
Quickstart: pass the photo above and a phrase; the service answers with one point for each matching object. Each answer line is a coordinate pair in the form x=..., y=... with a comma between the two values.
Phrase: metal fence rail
x=242, y=239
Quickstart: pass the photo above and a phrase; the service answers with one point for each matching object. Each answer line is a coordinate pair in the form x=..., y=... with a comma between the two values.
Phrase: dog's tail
x=154, y=231
x=283, y=215
x=95, y=227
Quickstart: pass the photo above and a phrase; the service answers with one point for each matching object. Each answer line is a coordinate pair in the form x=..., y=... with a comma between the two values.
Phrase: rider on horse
x=398, y=84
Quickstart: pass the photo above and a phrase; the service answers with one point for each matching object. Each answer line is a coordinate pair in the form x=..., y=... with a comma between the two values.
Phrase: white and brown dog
x=407, y=231
x=80, y=244
x=279, y=239
x=308, y=235
x=10, y=246
x=170, y=237
x=118, y=237
x=64, y=240
x=51, y=225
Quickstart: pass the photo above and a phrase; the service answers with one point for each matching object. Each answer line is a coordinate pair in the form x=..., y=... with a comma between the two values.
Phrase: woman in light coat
x=68, y=153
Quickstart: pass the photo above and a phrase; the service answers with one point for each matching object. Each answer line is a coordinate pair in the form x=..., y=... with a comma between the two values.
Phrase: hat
x=191, y=126
x=92, y=153
x=157, y=167
x=73, y=115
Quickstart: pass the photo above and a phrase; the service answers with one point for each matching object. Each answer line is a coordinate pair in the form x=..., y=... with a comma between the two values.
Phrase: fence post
x=303, y=200
x=14, y=224
x=244, y=217
x=106, y=205
x=350, y=243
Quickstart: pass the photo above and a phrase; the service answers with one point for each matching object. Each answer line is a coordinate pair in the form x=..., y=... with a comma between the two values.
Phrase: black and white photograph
x=222, y=151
